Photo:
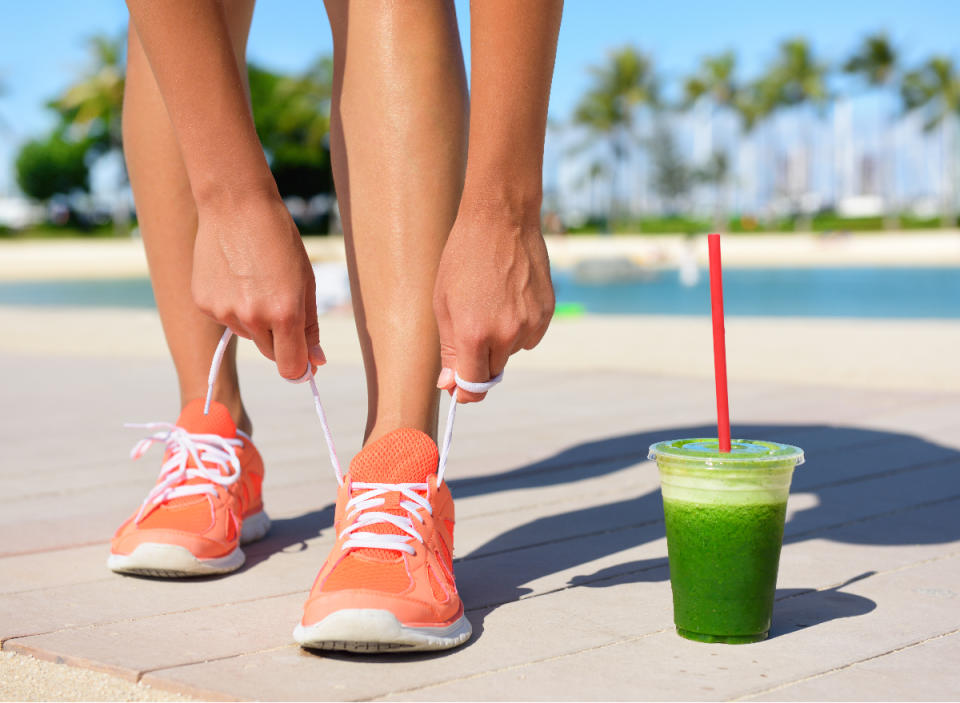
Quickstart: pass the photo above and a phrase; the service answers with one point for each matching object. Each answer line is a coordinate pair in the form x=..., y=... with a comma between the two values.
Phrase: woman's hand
x=251, y=273
x=493, y=294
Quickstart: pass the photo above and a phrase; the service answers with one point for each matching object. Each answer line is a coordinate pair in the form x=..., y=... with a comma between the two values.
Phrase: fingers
x=535, y=337
x=473, y=364
x=288, y=335
x=290, y=348
x=479, y=359
x=296, y=337
x=448, y=355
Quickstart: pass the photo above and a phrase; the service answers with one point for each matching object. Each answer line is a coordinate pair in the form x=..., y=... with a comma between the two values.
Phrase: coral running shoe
x=207, y=500
x=388, y=584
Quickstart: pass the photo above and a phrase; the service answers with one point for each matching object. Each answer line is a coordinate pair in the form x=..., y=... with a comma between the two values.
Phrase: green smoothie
x=724, y=517
x=721, y=558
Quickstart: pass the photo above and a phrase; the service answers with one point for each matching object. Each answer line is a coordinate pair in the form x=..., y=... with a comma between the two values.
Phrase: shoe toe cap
x=408, y=609
x=127, y=540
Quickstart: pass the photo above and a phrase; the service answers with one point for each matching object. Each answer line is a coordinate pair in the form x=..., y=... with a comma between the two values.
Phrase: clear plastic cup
x=724, y=516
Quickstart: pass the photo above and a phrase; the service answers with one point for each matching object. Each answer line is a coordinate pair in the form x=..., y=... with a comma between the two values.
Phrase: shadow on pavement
x=799, y=608
x=874, y=466
x=864, y=491
x=289, y=534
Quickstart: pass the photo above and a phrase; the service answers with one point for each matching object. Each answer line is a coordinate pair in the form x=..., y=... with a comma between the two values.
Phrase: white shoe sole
x=174, y=561
x=368, y=630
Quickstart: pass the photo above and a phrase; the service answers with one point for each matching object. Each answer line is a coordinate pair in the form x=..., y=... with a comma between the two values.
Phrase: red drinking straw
x=719, y=346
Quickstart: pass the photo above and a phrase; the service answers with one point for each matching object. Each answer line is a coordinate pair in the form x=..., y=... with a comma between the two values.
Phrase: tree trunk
x=804, y=222
x=950, y=171
x=891, y=218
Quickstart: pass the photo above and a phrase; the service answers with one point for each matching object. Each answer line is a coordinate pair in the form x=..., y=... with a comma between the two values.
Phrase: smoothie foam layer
x=752, y=473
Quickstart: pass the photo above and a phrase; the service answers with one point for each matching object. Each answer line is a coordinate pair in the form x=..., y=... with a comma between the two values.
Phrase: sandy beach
x=100, y=258
x=874, y=354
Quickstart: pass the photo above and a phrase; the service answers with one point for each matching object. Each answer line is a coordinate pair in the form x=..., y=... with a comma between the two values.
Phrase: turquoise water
x=826, y=292
x=823, y=292
x=113, y=293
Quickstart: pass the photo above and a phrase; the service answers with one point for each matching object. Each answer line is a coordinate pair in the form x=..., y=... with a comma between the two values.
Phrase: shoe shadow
x=288, y=535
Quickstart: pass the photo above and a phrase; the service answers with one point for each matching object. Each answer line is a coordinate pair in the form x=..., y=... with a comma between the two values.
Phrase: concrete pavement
x=560, y=547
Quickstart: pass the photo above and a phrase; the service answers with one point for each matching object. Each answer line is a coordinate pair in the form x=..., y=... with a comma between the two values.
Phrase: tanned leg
x=399, y=145
x=167, y=218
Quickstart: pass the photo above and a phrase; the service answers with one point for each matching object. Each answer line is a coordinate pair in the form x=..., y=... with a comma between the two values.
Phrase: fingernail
x=445, y=378
x=317, y=356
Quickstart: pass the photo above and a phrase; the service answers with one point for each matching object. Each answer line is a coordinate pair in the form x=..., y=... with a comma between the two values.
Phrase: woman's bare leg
x=168, y=223
x=399, y=146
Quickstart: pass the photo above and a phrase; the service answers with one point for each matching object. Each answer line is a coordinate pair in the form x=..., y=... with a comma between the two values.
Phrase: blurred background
x=817, y=119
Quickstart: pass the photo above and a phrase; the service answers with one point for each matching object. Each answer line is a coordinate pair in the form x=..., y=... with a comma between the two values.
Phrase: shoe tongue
x=402, y=456
x=192, y=419
x=217, y=421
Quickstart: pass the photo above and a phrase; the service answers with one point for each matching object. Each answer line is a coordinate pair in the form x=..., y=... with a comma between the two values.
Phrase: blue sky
x=42, y=43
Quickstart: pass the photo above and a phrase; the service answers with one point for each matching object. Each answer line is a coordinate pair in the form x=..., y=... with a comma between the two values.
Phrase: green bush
x=53, y=166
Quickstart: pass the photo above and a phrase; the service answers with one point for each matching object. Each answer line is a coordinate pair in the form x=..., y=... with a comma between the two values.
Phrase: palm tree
x=715, y=81
x=935, y=87
x=608, y=110
x=798, y=80
x=92, y=106
x=875, y=61
x=754, y=104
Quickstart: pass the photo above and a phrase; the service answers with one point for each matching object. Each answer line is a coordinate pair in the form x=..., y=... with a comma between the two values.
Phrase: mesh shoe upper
x=417, y=585
x=208, y=523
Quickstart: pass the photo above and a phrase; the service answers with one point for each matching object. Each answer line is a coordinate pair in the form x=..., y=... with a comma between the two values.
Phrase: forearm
x=513, y=47
x=188, y=45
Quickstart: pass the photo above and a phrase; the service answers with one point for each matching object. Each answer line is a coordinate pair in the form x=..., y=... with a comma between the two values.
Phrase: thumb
x=448, y=354
x=312, y=326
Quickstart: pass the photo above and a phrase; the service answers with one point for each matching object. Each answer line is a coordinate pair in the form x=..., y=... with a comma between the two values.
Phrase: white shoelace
x=359, y=505
x=204, y=449
x=371, y=498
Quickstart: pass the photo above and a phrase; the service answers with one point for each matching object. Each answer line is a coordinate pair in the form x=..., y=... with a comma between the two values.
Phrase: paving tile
x=922, y=672
x=298, y=675
x=582, y=537
x=130, y=647
x=632, y=573
x=27, y=572
x=121, y=598
x=662, y=666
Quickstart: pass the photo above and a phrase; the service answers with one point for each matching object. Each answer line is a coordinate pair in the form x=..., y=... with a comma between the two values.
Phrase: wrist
x=231, y=195
x=502, y=200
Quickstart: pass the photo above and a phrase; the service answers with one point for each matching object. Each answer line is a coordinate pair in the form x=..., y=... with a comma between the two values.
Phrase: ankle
x=239, y=414
x=381, y=427
x=234, y=406
x=242, y=420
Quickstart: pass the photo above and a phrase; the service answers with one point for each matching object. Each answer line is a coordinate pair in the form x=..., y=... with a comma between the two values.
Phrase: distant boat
x=689, y=272
x=619, y=270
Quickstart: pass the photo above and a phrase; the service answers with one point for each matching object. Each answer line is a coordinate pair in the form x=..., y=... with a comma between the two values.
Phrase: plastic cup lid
x=744, y=453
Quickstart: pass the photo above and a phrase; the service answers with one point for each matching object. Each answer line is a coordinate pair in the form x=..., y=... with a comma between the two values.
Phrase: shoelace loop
x=204, y=449
x=360, y=504
x=360, y=514
x=307, y=377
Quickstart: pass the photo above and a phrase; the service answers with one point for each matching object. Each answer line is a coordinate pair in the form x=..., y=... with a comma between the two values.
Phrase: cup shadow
x=797, y=609
x=499, y=571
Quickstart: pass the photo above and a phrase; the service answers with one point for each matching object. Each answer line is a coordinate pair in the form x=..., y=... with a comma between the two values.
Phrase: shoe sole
x=174, y=561
x=367, y=630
